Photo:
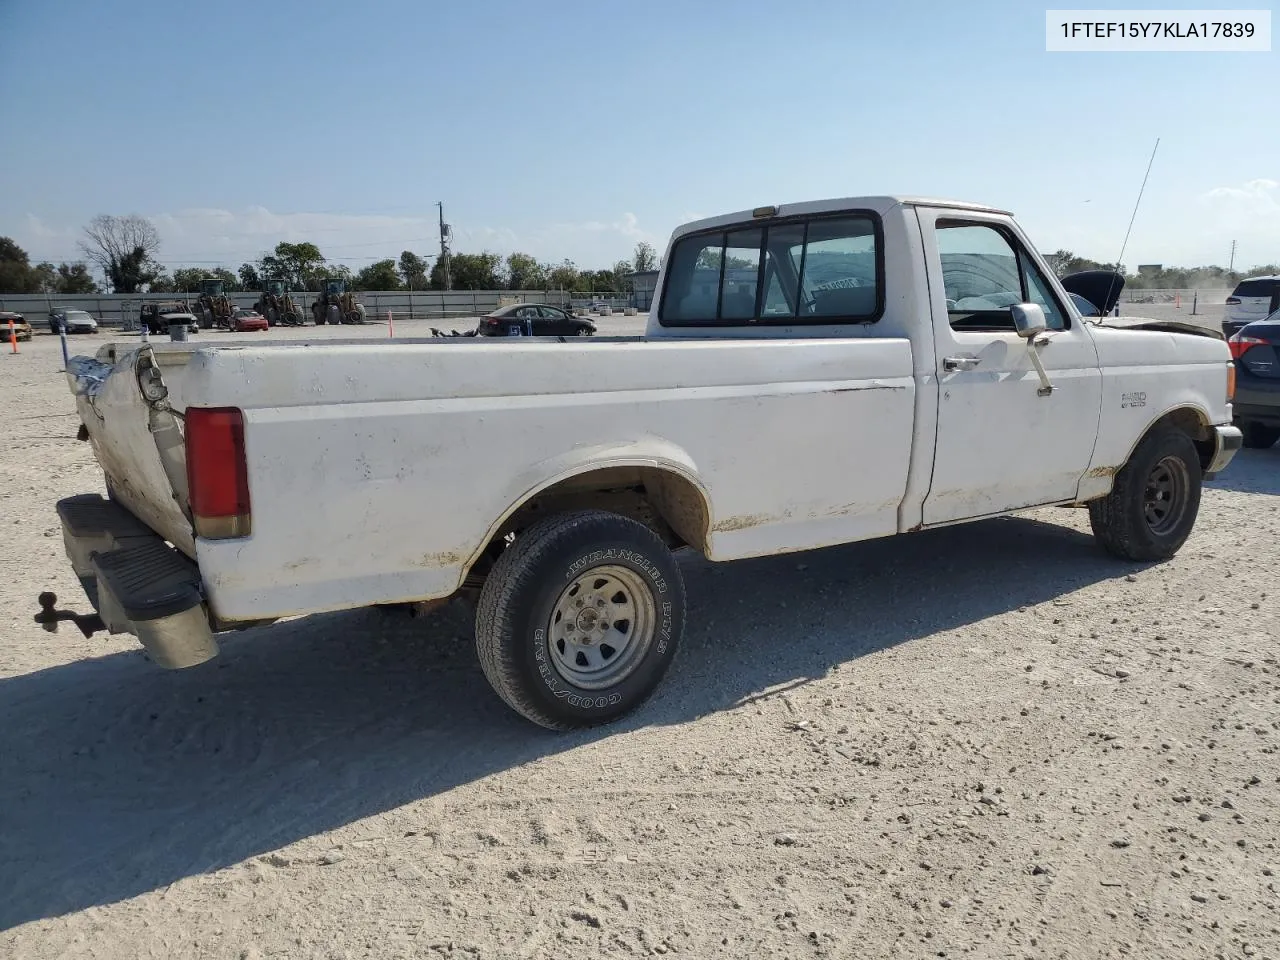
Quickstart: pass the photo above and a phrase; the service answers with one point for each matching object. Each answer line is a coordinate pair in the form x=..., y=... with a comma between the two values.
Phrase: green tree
x=300, y=265
x=379, y=276
x=645, y=258
x=15, y=269
x=413, y=270
x=124, y=248
x=564, y=277
x=75, y=278
x=186, y=280
x=249, y=279
x=525, y=273
x=470, y=271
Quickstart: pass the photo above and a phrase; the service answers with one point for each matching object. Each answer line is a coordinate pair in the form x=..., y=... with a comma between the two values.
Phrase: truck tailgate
x=137, y=438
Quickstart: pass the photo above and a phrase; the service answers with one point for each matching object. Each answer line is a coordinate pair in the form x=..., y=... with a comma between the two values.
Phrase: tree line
x=1064, y=262
x=124, y=250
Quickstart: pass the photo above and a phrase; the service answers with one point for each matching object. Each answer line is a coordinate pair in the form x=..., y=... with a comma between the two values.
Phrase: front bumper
x=137, y=582
x=1227, y=441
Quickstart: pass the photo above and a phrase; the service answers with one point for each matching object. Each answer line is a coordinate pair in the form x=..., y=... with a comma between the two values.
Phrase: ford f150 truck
x=812, y=374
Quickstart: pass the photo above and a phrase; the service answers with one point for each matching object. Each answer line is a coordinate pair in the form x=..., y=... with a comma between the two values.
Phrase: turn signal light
x=1231, y=382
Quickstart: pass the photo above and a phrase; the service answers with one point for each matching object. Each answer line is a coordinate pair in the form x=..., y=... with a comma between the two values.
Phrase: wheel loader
x=213, y=307
x=277, y=305
x=337, y=304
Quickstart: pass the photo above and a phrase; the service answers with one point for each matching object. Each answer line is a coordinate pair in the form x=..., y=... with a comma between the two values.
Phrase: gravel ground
x=989, y=740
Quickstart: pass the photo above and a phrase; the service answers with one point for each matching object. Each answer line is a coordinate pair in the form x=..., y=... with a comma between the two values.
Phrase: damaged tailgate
x=136, y=436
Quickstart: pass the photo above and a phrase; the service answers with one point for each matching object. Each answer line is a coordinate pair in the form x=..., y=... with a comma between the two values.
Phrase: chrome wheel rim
x=1164, y=498
x=601, y=627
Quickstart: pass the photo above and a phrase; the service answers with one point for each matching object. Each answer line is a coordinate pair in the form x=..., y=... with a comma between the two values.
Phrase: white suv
x=1251, y=300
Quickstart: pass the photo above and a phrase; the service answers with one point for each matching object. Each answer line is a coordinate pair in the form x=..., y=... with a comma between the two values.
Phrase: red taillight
x=217, y=473
x=1239, y=345
x=1232, y=301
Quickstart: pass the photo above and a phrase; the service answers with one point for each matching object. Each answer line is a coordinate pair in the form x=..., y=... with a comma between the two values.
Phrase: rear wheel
x=1153, y=506
x=580, y=618
x=1259, y=436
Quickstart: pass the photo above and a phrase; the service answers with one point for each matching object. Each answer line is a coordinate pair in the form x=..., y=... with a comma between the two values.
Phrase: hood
x=1100, y=287
x=1146, y=323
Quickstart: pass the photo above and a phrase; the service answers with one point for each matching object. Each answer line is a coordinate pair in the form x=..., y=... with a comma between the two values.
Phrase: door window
x=984, y=273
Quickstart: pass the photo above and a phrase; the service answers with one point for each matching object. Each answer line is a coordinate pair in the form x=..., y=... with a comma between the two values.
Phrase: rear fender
x=650, y=453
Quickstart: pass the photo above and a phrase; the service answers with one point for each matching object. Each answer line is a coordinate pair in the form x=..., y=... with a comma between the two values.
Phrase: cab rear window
x=817, y=270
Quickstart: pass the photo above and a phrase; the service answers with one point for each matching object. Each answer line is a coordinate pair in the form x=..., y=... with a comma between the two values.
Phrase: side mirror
x=1028, y=320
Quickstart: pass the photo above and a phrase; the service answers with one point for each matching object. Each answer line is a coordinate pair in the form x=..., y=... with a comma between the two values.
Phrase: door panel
x=1000, y=444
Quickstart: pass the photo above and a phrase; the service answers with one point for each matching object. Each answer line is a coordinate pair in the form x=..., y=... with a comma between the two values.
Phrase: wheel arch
x=1192, y=420
x=662, y=490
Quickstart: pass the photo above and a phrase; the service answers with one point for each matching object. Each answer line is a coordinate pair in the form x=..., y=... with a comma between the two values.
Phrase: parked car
x=826, y=397
x=157, y=318
x=1252, y=299
x=245, y=320
x=21, y=329
x=544, y=320
x=1256, y=349
x=75, y=321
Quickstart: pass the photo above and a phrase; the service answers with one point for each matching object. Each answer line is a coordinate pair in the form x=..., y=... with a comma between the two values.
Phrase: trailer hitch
x=48, y=617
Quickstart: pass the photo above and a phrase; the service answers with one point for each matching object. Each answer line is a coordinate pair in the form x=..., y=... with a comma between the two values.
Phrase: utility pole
x=1232, y=265
x=445, y=234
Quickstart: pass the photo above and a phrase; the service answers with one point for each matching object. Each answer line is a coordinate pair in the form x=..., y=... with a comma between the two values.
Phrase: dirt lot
x=989, y=740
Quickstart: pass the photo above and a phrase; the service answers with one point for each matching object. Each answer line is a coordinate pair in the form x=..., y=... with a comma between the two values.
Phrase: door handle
x=960, y=363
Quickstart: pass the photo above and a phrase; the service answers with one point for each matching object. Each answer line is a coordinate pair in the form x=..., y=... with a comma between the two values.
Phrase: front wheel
x=1152, y=507
x=1259, y=436
x=580, y=618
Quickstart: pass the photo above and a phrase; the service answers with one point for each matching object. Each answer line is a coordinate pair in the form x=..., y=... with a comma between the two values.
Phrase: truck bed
x=379, y=471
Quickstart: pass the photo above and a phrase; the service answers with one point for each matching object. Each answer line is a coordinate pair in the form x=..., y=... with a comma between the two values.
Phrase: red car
x=247, y=321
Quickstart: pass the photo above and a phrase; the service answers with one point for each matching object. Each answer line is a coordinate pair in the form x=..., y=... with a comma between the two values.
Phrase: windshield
x=78, y=315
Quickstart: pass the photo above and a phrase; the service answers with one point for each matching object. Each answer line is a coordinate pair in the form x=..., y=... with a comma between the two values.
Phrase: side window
x=805, y=271
x=983, y=274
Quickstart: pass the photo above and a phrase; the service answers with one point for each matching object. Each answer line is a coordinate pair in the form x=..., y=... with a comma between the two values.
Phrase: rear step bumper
x=137, y=582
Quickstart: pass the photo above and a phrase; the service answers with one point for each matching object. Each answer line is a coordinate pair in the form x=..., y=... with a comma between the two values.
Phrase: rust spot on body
x=448, y=558
x=1099, y=472
x=744, y=522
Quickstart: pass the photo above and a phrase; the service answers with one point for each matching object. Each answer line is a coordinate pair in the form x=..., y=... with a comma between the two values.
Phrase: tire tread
x=522, y=562
x=1117, y=526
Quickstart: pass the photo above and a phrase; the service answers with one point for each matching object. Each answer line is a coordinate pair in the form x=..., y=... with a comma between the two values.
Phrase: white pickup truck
x=812, y=374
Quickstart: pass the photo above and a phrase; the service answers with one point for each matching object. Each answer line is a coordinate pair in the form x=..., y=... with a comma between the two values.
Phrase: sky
x=577, y=129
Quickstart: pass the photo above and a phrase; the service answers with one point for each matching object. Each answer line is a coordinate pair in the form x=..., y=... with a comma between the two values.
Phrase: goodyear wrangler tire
x=1153, y=505
x=579, y=619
